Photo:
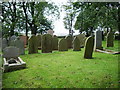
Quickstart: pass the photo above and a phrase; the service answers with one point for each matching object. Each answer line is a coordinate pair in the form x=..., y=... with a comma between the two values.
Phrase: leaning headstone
x=110, y=39
x=82, y=39
x=20, y=44
x=55, y=42
x=11, y=52
x=4, y=43
x=76, y=44
x=62, y=46
x=89, y=45
x=11, y=59
x=98, y=40
x=46, y=43
x=33, y=45
x=39, y=41
x=50, y=32
x=69, y=41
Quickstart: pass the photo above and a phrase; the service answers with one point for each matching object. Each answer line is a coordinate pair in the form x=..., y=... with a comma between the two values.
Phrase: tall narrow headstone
x=82, y=39
x=47, y=43
x=89, y=45
x=39, y=41
x=55, y=42
x=69, y=41
x=98, y=40
x=20, y=44
x=62, y=46
x=76, y=44
x=110, y=39
x=33, y=45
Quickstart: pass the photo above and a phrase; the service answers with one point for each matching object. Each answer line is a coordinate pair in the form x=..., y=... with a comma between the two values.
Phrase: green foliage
x=93, y=15
x=27, y=16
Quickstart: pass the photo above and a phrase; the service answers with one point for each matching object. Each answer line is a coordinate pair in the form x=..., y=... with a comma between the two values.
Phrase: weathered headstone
x=11, y=59
x=50, y=32
x=11, y=52
x=4, y=43
x=89, y=45
x=20, y=44
x=76, y=44
x=98, y=40
x=46, y=43
x=24, y=39
x=11, y=40
x=55, y=42
x=82, y=39
x=110, y=39
x=39, y=41
x=69, y=41
x=62, y=46
x=33, y=45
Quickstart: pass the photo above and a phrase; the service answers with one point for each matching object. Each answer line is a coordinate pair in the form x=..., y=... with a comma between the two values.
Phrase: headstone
x=24, y=39
x=4, y=43
x=69, y=41
x=55, y=43
x=98, y=40
x=39, y=41
x=82, y=39
x=11, y=52
x=110, y=39
x=46, y=43
x=89, y=45
x=11, y=40
x=33, y=45
x=76, y=44
x=62, y=46
x=11, y=59
x=13, y=37
x=20, y=44
x=50, y=32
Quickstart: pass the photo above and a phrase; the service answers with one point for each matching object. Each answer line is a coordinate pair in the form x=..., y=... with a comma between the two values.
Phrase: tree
x=94, y=15
x=70, y=16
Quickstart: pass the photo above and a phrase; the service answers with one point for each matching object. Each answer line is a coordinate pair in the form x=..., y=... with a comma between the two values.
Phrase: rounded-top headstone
x=63, y=45
x=82, y=39
x=46, y=43
x=89, y=46
x=110, y=39
x=33, y=45
x=55, y=42
x=69, y=41
x=76, y=44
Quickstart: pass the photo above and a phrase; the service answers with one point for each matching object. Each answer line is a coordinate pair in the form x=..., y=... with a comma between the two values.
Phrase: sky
x=59, y=29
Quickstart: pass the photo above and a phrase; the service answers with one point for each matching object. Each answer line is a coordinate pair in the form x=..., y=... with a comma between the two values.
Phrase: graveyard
x=59, y=45
x=66, y=69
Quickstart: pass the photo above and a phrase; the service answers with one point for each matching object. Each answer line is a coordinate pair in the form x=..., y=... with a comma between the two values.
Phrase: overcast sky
x=59, y=29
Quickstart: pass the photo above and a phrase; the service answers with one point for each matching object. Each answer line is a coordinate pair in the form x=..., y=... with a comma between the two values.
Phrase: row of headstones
x=47, y=43
x=98, y=39
x=13, y=41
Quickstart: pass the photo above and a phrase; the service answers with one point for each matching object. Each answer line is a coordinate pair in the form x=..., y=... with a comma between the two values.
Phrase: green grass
x=65, y=70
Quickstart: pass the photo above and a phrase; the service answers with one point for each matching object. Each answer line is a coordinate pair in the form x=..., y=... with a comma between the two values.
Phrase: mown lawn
x=65, y=70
